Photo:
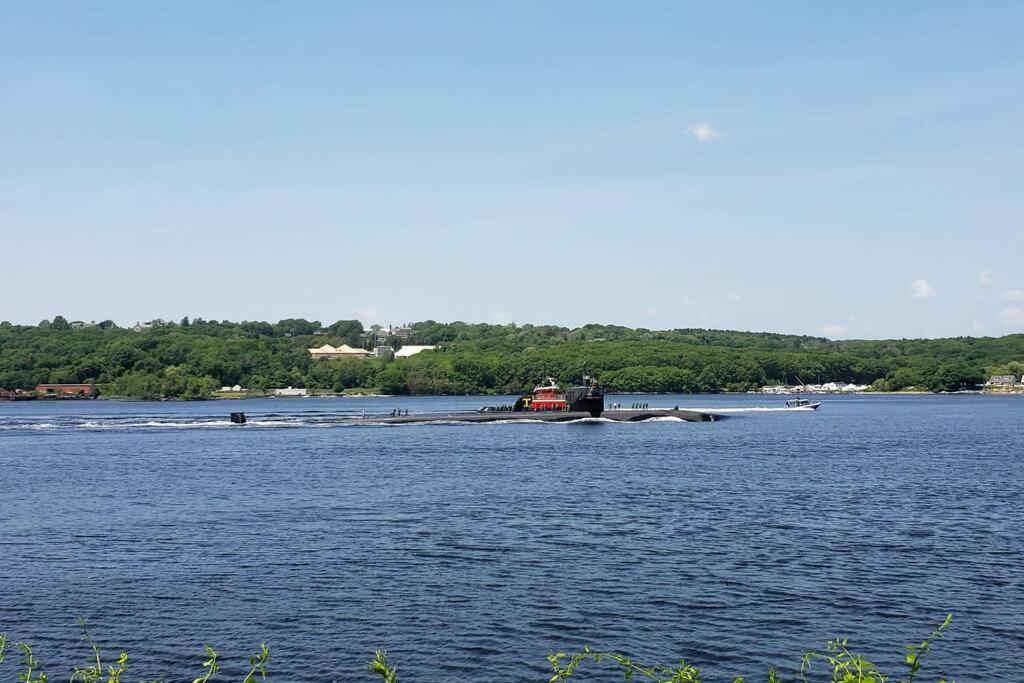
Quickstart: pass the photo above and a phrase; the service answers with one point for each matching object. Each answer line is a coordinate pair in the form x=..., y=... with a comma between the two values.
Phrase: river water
x=470, y=551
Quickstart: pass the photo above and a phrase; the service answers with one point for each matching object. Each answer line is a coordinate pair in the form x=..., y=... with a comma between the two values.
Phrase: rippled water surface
x=734, y=544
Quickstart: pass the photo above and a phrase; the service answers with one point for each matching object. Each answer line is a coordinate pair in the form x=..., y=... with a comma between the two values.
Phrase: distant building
x=374, y=335
x=328, y=352
x=407, y=351
x=81, y=324
x=1003, y=381
x=401, y=332
x=67, y=389
x=237, y=389
x=16, y=395
x=289, y=391
x=384, y=351
x=141, y=327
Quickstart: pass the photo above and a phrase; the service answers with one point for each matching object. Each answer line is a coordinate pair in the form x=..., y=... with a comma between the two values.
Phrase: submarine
x=546, y=403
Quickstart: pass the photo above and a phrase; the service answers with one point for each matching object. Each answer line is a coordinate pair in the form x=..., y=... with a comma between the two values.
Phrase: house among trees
x=67, y=390
x=1003, y=381
x=377, y=333
x=291, y=392
x=328, y=352
x=402, y=332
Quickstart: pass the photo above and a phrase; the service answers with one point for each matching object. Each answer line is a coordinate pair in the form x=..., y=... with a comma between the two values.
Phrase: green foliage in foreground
x=178, y=360
x=837, y=664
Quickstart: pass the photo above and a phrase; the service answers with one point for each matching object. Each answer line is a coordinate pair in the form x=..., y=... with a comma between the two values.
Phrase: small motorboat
x=802, y=404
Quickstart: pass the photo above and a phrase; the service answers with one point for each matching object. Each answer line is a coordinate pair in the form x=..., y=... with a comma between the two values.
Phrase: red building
x=61, y=390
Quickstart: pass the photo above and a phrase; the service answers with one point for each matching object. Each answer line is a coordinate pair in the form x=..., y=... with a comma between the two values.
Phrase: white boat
x=801, y=404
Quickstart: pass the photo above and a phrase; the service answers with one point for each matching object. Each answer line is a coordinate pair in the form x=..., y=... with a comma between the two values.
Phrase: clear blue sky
x=849, y=169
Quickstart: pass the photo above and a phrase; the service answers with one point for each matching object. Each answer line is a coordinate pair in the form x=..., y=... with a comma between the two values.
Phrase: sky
x=852, y=170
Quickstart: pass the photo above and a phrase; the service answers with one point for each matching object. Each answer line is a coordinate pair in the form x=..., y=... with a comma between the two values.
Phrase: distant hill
x=192, y=359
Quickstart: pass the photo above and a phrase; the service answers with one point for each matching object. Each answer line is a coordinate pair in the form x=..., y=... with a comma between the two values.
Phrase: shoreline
x=769, y=397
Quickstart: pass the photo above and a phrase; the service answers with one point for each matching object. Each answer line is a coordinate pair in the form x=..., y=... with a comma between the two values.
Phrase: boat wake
x=118, y=423
x=125, y=423
x=753, y=409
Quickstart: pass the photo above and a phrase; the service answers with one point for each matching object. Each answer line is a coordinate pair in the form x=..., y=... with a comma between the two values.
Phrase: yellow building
x=328, y=352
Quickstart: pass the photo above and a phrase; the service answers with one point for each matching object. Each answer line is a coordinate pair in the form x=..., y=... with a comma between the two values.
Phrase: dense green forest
x=194, y=358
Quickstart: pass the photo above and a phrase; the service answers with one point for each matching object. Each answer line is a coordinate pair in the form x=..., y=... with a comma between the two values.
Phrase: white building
x=289, y=391
x=407, y=351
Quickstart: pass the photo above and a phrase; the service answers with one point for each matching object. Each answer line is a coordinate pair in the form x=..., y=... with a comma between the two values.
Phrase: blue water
x=465, y=549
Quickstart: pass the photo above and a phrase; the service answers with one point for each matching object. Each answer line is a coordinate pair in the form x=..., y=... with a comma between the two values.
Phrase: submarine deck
x=556, y=416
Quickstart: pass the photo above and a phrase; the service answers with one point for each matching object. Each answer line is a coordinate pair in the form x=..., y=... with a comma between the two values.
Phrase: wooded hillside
x=192, y=359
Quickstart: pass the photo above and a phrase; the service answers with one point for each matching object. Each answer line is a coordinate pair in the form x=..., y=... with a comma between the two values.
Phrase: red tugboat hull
x=588, y=398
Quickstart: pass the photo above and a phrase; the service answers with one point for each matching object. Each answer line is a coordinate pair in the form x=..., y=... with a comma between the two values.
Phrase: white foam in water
x=279, y=423
x=150, y=424
x=755, y=409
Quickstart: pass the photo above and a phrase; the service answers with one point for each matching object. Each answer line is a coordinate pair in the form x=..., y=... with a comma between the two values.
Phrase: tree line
x=193, y=358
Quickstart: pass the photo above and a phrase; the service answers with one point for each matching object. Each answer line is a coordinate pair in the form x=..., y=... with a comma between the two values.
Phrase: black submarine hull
x=540, y=416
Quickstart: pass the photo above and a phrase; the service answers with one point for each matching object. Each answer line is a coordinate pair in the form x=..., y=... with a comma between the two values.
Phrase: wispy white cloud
x=1012, y=295
x=985, y=278
x=1013, y=318
x=833, y=330
x=369, y=314
x=703, y=131
x=921, y=289
x=734, y=296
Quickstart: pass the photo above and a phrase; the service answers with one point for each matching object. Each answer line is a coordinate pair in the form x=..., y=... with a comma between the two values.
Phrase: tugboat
x=588, y=398
x=544, y=399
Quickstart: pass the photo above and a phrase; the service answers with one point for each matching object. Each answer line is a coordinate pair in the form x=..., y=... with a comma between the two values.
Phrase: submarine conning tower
x=588, y=398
